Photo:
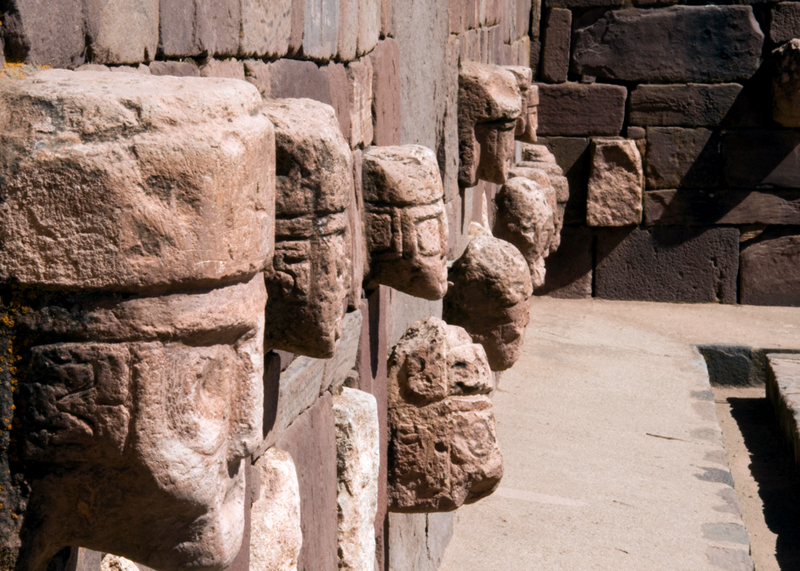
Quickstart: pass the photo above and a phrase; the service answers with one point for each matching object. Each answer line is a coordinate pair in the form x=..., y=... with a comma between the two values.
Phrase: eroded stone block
x=556, y=45
x=359, y=96
x=386, y=92
x=525, y=129
x=577, y=109
x=769, y=272
x=443, y=449
x=616, y=180
x=404, y=220
x=122, y=32
x=784, y=23
x=786, y=84
x=266, y=28
x=321, y=29
x=490, y=285
x=45, y=32
x=194, y=27
x=691, y=105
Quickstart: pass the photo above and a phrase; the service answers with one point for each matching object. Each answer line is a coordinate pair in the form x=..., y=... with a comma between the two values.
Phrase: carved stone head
x=443, y=449
x=309, y=287
x=529, y=96
x=489, y=104
x=404, y=220
x=490, y=285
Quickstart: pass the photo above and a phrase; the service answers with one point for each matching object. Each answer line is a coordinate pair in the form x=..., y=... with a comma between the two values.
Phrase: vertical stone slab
x=369, y=25
x=45, y=32
x=348, y=30
x=359, y=96
x=122, y=31
x=195, y=27
x=386, y=106
x=556, y=45
x=266, y=28
x=770, y=272
x=785, y=22
x=321, y=29
x=616, y=180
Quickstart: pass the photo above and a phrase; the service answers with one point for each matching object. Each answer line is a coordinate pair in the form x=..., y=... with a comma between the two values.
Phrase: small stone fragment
x=615, y=184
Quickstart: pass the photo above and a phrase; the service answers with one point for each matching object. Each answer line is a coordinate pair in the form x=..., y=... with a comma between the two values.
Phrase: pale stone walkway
x=612, y=448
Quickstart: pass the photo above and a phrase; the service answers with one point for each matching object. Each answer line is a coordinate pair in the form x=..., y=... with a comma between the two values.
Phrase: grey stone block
x=681, y=158
x=770, y=272
x=577, y=109
x=556, y=45
x=692, y=105
x=266, y=28
x=122, y=32
x=761, y=158
x=44, y=32
x=200, y=27
x=710, y=207
x=321, y=29
x=785, y=22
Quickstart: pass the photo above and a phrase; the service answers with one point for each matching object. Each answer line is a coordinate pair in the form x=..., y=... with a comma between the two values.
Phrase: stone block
x=199, y=27
x=122, y=32
x=573, y=156
x=369, y=25
x=786, y=84
x=710, y=207
x=577, y=109
x=669, y=263
x=258, y=73
x=321, y=29
x=583, y=3
x=661, y=46
x=556, y=45
x=290, y=79
x=691, y=105
x=681, y=158
x=758, y=158
x=358, y=459
x=348, y=30
x=569, y=269
x=266, y=28
x=386, y=93
x=784, y=23
x=386, y=19
x=783, y=392
x=176, y=68
x=614, y=195
x=417, y=541
x=45, y=32
x=230, y=68
x=298, y=27
x=770, y=272
x=359, y=97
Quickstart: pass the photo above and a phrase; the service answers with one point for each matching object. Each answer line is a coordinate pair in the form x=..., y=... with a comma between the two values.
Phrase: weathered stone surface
x=573, y=156
x=115, y=563
x=176, y=68
x=195, y=27
x=569, y=269
x=404, y=220
x=556, y=45
x=668, y=264
x=691, y=105
x=321, y=29
x=523, y=76
x=785, y=22
x=681, y=158
x=614, y=196
x=770, y=272
x=761, y=158
x=417, y=541
x=783, y=392
x=348, y=30
x=583, y=3
x=358, y=462
x=489, y=289
x=359, y=96
x=786, y=84
x=309, y=287
x=230, y=68
x=266, y=28
x=549, y=176
x=577, y=109
x=489, y=104
x=122, y=32
x=707, y=208
x=662, y=45
x=275, y=534
x=189, y=192
x=369, y=25
x=443, y=444
x=44, y=32
x=386, y=92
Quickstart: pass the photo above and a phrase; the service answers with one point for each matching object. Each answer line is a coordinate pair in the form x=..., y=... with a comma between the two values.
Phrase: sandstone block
x=614, y=196
x=321, y=29
x=783, y=392
x=556, y=45
x=524, y=130
x=761, y=158
x=187, y=201
x=786, y=84
x=583, y=3
x=386, y=92
x=707, y=208
x=359, y=96
x=358, y=462
x=176, y=68
x=443, y=450
x=490, y=285
x=44, y=32
x=681, y=158
x=770, y=272
x=569, y=269
x=230, y=68
x=632, y=45
x=668, y=264
x=784, y=23
x=417, y=540
x=691, y=105
x=348, y=30
x=577, y=109
x=122, y=32
x=266, y=28
x=369, y=25
x=195, y=27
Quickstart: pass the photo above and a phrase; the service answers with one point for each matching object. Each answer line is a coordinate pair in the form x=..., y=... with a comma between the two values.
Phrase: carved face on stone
x=489, y=105
x=405, y=222
x=309, y=287
x=528, y=93
x=490, y=285
x=443, y=449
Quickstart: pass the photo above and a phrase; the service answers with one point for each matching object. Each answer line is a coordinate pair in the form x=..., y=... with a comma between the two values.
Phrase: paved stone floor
x=613, y=452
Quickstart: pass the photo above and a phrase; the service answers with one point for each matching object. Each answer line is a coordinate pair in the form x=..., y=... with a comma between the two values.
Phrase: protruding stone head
x=528, y=120
x=786, y=84
x=443, y=449
x=490, y=285
x=489, y=104
x=308, y=290
x=404, y=220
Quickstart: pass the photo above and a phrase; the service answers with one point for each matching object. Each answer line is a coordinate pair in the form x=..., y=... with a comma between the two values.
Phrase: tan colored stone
x=786, y=84
x=266, y=28
x=616, y=179
x=122, y=32
x=369, y=25
x=490, y=285
x=405, y=224
x=443, y=442
x=158, y=182
x=115, y=563
x=523, y=75
x=311, y=279
x=359, y=96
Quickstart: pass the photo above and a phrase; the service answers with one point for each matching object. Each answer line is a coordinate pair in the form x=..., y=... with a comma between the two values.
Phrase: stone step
x=783, y=391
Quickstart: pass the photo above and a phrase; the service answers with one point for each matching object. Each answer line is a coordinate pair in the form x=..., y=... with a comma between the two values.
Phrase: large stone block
x=681, y=158
x=710, y=207
x=266, y=28
x=761, y=158
x=786, y=84
x=692, y=105
x=668, y=264
x=186, y=201
x=321, y=29
x=176, y=68
x=614, y=196
x=577, y=109
x=570, y=268
x=386, y=107
x=122, y=32
x=195, y=27
x=662, y=45
x=417, y=541
x=359, y=96
x=785, y=22
x=556, y=45
x=348, y=30
x=45, y=32
x=369, y=25
x=770, y=272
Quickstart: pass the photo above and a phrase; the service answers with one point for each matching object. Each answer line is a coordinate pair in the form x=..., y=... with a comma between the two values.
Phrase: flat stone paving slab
x=612, y=447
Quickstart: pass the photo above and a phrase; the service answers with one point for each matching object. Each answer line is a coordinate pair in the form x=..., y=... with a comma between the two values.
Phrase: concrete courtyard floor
x=613, y=452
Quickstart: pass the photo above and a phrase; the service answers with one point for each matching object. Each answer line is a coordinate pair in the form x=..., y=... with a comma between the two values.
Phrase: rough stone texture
x=358, y=463
x=321, y=29
x=386, y=92
x=44, y=32
x=309, y=287
x=369, y=25
x=577, y=109
x=404, y=220
x=681, y=158
x=783, y=392
x=690, y=105
x=664, y=45
x=348, y=30
x=191, y=195
x=115, y=563
x=556, y=45
x=122, y=32
x=489, y=289
x=707, y=208
x=359, y=96
x=195, y=27
x=176, y=68
x=489, y=103
x=770, y=272
x=570, y=268
x=230, y=68
x=523, y=76
x=784, y=23
x=614, y=195
x=266, y=28
x=275, y=533
x=443, y=445
x=417, y=541
x=668, y=264
x=525, y=217
x=761, y=159
x=549, y=177
x=786, y=84
x=572, y=154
